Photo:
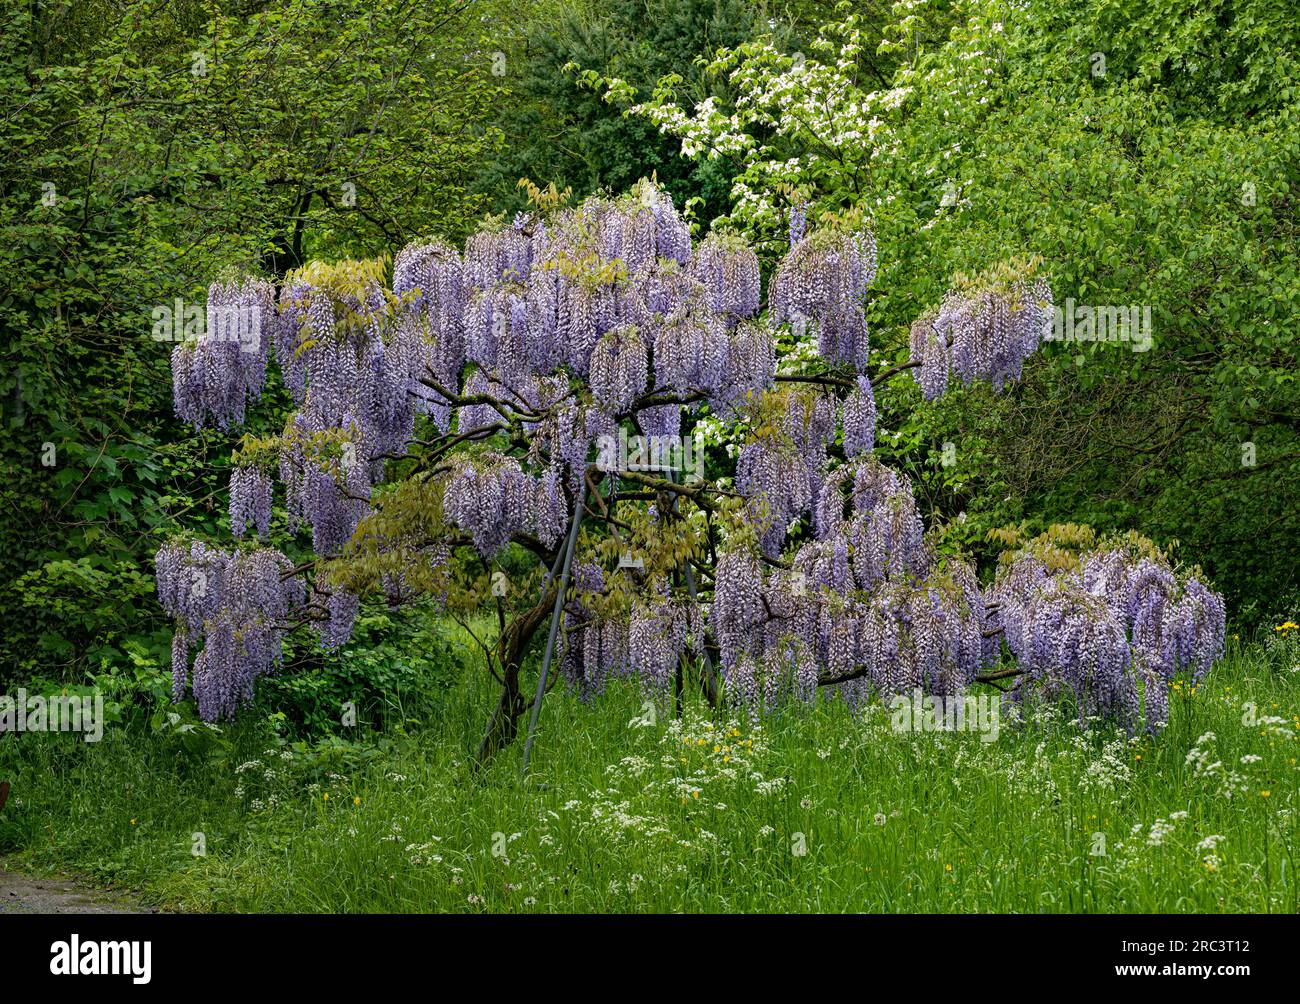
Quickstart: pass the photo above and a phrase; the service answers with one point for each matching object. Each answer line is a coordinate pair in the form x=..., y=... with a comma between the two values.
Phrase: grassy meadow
x=818, y=809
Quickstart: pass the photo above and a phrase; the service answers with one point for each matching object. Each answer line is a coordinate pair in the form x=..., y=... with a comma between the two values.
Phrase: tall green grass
x=816, y=809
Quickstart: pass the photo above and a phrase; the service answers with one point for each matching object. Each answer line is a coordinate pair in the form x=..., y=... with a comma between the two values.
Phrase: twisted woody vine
x=448, y=421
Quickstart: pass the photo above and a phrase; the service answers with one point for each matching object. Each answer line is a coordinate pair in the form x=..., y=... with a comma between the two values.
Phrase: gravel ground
x=28, y=894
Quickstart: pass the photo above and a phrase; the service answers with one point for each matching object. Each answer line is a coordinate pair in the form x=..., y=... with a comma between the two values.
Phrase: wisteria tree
x=589, y=428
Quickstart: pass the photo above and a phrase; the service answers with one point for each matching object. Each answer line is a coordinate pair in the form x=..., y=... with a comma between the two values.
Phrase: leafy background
x=187, y=138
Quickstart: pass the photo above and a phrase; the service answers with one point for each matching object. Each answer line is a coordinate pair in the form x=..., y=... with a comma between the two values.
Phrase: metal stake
x=555, y=628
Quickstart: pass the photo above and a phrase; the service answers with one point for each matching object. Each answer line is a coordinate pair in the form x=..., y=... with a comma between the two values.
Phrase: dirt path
x=28, y=894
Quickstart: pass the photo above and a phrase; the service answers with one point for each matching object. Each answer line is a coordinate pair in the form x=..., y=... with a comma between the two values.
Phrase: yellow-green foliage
x=1062, y=545
x=545, y=200
x=348, y=282
x=390, y=539
x=1005, y=279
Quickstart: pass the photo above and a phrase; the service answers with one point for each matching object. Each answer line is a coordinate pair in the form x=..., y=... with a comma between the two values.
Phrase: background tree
x=147, y=148
x=555, y=130
x=1159, y=162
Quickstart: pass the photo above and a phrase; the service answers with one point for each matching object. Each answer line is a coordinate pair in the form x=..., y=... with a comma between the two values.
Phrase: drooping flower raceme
x=250, y=500
x=728, y=270
x=984, y=330
x=619, y=370
x=823, y=282
x=217, y=375
x=1112, y=629
x=234, y=606
x=860, y=419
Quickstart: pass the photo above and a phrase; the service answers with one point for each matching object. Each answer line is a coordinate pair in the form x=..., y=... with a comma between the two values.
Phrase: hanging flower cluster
x=984, y=329
x=865, y=601
x=217, y=375
x=822, y=282
x=727, y=268
x=234, y=606
x=250, y=500
x=860, y=419
x=1112, y=628
x=494, y=499
x=493, y=256
x=326, y=482
x=618, y=370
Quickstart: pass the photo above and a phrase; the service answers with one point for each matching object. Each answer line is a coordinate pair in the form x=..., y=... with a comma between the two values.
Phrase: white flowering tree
x=813, y=123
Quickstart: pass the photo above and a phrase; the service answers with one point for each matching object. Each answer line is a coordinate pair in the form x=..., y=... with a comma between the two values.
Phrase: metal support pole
x=567, y=563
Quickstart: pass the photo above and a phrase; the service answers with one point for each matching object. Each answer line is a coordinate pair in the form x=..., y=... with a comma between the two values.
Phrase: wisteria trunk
x=503, y=726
